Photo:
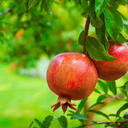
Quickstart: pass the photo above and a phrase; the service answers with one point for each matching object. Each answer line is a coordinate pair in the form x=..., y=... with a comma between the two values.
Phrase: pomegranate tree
x=72, y=76
x=113, y=70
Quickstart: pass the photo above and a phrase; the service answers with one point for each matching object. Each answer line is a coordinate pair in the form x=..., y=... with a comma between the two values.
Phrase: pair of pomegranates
x=73, y=76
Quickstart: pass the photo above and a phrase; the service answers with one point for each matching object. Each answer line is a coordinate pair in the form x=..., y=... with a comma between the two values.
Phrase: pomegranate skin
x=72, y=75
x=113, y=70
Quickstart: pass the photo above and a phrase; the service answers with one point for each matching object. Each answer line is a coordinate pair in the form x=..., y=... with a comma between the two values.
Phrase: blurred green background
x=28, y=41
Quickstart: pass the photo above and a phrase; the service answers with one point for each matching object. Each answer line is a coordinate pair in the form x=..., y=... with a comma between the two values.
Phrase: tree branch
x=119, y=123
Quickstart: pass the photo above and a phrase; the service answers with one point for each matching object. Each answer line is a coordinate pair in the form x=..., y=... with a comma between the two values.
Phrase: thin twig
x=120, y=123
x=86, y=33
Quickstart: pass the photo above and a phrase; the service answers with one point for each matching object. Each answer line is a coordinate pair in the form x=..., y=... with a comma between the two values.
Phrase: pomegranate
x=113, y=70
x=72, y=76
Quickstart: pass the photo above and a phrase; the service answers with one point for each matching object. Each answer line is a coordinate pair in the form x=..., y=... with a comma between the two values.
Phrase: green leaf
x=113, y=22
x=103, y=86
x=125, y=115
x=81, y=38
x=114, y=115
x=81, y=105
x=124, y=89
x=85, y=6
x=100, y=113
x=93, y=105
x=112, y=86
x=100, y=6
x=120, y=39
x=92, y=13
x=97, y=91
x=125, y=27
x=96, y=50
x=116, y=3
x=125, y=84
x=100, y=33
x=79, y=117
x=125, y=126
x=100, y=98
x=71, y=112
x=38, y=122
x=29, y=3
x=63, y=121
x=45, y=5
x=47, y=122
x=35, y=3
x=124, y=107
x=31, y=124
x=95, y=21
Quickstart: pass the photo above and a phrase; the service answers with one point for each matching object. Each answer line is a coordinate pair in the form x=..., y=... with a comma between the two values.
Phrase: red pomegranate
x=113, y=70
x=72, y=76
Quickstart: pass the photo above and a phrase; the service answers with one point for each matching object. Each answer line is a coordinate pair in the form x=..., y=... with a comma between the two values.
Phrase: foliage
x=28, y=31
x=114, y=120
x=50, y=32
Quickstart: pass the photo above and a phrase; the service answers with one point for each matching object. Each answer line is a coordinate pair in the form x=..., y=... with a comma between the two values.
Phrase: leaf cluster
x=46, y=123
x=109, y=24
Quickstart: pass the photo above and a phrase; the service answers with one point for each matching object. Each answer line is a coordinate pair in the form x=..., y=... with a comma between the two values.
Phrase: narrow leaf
x=112, y=86
x=103, y=86
x=113, y=22
x=47, y=122
x=112, y=115
x=124, y=89
x=38, y=122
x=120, y=39
x=97, y=91
x=81, y=105
x=100, y=98
x=100, y=6
x=125, y=26
x=101, y=34
x=63, y=121
x=81, y=38
x=100, y=113
x=124, y=107
x=93, y=105
x=80, y=117
x=31, y=124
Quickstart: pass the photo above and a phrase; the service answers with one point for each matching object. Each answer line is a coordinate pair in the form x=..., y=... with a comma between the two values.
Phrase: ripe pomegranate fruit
x=72, y=76
x=113, y=70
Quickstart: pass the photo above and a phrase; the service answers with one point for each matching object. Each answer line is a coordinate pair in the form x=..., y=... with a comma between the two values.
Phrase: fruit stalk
x=86, y=33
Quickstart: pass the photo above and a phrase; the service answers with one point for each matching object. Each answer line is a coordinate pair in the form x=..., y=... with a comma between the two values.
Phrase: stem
x=86, y=33
x=27, y=5
x=120, y=123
